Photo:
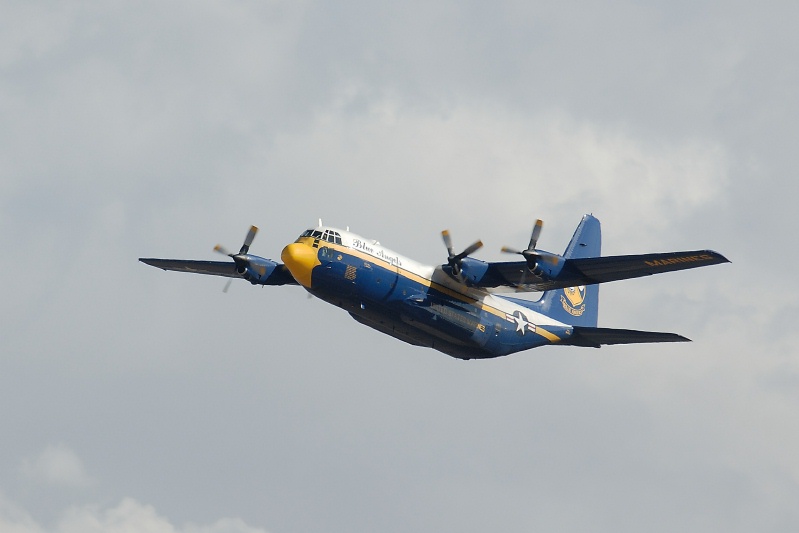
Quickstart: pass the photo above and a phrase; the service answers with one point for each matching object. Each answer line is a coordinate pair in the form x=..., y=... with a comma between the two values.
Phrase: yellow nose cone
x=300, y=259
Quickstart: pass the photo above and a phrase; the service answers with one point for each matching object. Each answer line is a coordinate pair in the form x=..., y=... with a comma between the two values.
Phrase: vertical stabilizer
x=578, y=306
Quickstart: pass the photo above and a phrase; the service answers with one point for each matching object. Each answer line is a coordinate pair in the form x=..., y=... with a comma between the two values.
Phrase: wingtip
x=149, y=261
x=720, y=257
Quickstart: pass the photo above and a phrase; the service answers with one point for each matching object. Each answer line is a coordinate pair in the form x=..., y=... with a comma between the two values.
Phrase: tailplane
x=596, y=337
x=579, y=306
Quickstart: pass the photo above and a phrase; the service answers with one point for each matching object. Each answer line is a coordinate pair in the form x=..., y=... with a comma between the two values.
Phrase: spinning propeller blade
x=222, y=250
x=539, y=224
x=531, y=254
x=530, y=251
x=248, y=240
x=470, y=249
x=239, y=259
x=447, y=241
x=244, y=247
x=455, y=260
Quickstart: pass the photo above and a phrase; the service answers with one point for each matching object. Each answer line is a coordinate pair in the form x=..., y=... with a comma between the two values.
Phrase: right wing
x=279, y=275
x=589, y=270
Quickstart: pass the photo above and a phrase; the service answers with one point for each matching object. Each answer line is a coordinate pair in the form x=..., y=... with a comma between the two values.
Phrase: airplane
x=465, y=307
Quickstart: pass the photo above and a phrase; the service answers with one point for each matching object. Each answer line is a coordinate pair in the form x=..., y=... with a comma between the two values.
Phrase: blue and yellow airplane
x=458, y=307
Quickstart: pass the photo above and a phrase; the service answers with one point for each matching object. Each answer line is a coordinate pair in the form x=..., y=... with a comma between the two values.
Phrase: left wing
x=213, y=268
x=255, y=269
x=263, y=272
x=516, y=275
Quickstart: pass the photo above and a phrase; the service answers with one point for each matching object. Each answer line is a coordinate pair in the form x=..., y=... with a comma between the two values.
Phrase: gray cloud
x=128, y=515
x=56, y=465
x=166, y=128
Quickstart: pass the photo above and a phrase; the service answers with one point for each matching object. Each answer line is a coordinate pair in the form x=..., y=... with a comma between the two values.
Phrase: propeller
x=454, y=260
x=240, y=258
x=244, y=247
x=530, y=251
x=531, y=255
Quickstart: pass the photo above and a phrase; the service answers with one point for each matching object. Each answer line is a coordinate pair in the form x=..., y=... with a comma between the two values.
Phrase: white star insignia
x=522, y=324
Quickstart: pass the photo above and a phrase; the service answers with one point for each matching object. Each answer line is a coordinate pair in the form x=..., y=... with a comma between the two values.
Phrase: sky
x=136, y=399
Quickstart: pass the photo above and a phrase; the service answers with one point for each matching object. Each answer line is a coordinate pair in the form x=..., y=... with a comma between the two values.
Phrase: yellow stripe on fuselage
x=551, y=337
x=309, y=241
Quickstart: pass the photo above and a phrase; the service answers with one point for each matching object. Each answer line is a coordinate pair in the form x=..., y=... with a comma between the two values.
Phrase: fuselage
x=416, y=303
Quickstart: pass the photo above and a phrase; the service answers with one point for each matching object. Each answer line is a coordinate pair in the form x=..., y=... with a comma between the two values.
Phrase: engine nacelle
x=255, y=269
x=545, y=265
x=473, y=271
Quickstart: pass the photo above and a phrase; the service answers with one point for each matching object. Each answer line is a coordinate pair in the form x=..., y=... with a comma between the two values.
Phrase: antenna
x=320, y=222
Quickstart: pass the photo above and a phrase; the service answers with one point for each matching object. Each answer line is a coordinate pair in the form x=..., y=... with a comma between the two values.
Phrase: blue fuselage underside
x=415, y=310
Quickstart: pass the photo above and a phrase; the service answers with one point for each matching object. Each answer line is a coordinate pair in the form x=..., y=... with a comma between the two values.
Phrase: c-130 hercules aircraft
x=457, y=307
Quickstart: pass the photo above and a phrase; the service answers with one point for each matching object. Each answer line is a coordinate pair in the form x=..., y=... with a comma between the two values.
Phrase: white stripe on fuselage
x=431, y=275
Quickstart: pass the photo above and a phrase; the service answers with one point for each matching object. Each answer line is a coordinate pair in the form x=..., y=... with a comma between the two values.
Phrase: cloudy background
x=135, y=398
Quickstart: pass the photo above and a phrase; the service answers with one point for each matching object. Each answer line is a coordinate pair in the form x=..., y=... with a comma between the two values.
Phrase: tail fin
x=578, y=306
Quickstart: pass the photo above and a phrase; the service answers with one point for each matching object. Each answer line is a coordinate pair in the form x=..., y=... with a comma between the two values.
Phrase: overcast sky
x=135, y=398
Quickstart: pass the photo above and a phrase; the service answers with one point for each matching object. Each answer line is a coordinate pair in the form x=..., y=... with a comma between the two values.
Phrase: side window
x=316, y=234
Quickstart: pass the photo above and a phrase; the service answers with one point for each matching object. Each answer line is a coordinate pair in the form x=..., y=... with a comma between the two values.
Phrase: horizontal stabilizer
x=596, y=337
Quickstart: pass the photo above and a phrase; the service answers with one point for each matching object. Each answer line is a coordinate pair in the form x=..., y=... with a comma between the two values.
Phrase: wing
x=278, y=275
x=590, y=270
x=213, y=268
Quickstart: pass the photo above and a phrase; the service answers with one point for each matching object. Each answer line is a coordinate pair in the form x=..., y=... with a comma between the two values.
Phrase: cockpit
x=326, y=235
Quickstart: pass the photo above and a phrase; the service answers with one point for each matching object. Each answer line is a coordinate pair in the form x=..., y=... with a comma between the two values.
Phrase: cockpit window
x=332, y=236
x=328, y=235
